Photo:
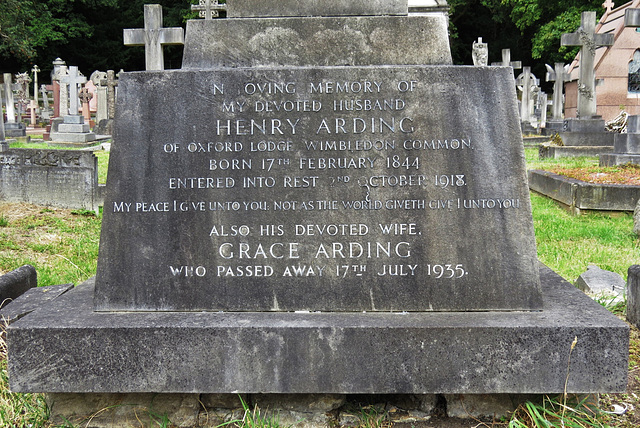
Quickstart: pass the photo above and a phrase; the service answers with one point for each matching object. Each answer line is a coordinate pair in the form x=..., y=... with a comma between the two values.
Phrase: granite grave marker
x=353, y=180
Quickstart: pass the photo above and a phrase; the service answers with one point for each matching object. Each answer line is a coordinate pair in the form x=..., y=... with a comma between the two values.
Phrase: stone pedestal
x=303, y=353
x=633, y=295
x=73, y=129
x=586, y=132
x=626, y=147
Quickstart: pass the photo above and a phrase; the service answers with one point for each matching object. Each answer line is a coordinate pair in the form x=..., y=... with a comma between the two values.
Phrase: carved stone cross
x=527, y=82
x=588, y=41
x=74, y=79
x=506, y=60
x=558, y=76
x=209, y=9
x=608, y=4
x=153, y=37
x=110, y=82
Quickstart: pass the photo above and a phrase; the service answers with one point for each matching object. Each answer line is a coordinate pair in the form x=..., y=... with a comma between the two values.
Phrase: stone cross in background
x=480, y=53
x=558, y=76
x=209, y=8
x=153, y=37
x=22, y=87
x=8, y=98
x=506, y=61
x=110, y=82
x=73, y=79
x=101, y=108
x=35, y=70
x=527, y=83
x=63, y=92
x=85, y=96
x=588, y=41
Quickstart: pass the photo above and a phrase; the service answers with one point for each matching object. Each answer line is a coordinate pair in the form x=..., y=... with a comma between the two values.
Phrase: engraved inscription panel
x=311, y=189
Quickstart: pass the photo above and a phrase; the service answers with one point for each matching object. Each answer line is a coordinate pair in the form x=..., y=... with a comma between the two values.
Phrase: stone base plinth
x=66, y=347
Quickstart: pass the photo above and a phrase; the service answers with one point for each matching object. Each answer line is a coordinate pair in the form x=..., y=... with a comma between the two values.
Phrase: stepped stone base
x=66, y=347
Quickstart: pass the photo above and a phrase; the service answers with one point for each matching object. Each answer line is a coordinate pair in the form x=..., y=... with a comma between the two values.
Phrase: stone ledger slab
x=451, y=353
x=308, y=199
x=266, y=8
x=355, y=41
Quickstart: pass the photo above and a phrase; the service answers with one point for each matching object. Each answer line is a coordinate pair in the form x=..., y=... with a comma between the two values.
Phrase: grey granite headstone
x=349, y=182
x=272, y=189
x=63, y=178
x=16, y=283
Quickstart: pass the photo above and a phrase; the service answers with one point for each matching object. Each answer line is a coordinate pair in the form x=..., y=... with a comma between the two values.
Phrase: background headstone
x=480, y=53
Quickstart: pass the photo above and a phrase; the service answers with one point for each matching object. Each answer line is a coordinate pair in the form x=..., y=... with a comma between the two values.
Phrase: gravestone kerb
x=153, y=37
x=588, y=41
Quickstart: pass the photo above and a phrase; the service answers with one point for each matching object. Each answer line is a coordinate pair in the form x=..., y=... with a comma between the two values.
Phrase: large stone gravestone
x=306, y=210
x=626, y=146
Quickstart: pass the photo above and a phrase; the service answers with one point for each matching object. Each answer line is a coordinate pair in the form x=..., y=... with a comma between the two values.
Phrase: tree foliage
x=88, y=33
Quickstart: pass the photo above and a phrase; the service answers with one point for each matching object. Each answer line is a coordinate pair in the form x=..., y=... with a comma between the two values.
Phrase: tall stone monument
x=558, y=76
x=587, y=129
x=285, y=209
x=13, y=127
x=73, y=128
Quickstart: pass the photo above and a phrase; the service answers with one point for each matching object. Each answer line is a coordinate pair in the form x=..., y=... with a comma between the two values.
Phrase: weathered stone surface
x=31, y=300
x=269, y=8
x=633, y=295
x=62, y=178
x=16, y=283
x=120, y=410
x=451, y=353
x=492, y=406
x=596, y=280
x=223, y=401
x=220, y=210
x=299, y=403
x=612, y=159
x=356, y=41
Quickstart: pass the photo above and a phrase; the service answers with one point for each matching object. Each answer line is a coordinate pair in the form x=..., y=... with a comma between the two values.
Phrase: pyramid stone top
x=290, y=8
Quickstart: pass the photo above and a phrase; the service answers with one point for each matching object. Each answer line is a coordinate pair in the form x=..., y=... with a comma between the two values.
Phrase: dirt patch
x=622, y=174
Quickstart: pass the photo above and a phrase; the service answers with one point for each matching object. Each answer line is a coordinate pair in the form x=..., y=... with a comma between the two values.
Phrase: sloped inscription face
x=366, y=189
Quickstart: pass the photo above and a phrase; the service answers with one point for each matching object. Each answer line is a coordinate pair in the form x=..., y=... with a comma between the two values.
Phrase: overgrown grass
x=63, y=247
